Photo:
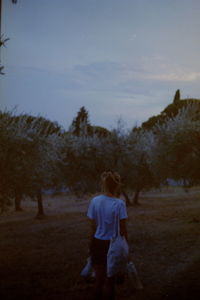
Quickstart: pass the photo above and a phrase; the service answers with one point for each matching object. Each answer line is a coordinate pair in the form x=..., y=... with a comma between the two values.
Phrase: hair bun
x=114, y=175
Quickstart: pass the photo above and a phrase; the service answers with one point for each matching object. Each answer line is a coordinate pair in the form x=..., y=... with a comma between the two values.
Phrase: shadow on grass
x=187, y=285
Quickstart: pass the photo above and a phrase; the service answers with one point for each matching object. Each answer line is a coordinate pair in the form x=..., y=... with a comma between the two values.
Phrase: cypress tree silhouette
x=177, y=97
x=80, y=125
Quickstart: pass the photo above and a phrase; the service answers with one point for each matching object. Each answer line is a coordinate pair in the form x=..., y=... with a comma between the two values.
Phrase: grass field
x=42, y=259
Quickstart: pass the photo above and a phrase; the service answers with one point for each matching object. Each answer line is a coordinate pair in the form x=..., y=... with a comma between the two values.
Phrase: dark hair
x=111, y=182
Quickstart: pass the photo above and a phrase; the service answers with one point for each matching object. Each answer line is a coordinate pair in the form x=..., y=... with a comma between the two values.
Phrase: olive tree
x=178, y=151
x=30, y=157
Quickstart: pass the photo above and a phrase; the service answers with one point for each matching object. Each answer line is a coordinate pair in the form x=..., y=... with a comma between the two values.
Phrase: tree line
x=37, y=154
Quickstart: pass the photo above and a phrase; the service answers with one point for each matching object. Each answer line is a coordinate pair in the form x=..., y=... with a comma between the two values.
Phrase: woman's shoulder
x=97, y=197
x=121, y=202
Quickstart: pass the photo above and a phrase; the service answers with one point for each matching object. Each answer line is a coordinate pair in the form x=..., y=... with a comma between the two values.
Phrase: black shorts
x=98, y=251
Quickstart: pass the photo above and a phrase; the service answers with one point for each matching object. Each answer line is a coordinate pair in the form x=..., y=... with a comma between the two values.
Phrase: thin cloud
x=176, y=76
x=122, y=78
x=157, y=69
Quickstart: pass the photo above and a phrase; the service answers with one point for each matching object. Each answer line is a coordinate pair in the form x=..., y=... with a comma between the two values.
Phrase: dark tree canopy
x=100, y=131
x=170, y=111
x=82, y=126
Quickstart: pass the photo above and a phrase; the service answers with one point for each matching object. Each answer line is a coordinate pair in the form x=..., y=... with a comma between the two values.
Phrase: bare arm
x=123, y=229
x=92, y=230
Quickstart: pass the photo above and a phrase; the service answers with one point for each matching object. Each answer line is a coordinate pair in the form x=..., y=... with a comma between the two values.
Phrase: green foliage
x=28, y=154
x=178, y=152
x=152, y=121
x=35, y=153
x=99, y=131
x=80, y=125
x=170, y=111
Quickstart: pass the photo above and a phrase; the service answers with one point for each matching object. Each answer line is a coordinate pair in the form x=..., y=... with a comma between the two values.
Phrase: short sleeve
x=122, y=211
x=91, y=210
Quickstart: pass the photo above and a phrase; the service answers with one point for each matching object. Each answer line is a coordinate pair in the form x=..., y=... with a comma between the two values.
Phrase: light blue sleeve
x=91, y=210
x=122, y=211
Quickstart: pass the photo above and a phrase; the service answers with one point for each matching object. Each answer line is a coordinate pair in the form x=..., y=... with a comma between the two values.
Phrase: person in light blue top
x=106, y=210
x=104, y=213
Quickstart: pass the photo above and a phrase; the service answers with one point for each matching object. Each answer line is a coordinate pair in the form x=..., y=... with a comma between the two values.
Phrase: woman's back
x=106, y=211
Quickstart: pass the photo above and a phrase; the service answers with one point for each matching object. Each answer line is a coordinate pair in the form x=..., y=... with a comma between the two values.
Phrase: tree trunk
x=185, y=185
x=136, y=197
x=18, y=198
x=128, y=202
x=40, y=214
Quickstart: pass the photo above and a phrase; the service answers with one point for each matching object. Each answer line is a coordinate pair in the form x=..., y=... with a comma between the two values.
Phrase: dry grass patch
x=43, y=259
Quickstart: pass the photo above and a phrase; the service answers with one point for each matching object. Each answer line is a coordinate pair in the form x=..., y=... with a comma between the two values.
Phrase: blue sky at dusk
x=118, y=58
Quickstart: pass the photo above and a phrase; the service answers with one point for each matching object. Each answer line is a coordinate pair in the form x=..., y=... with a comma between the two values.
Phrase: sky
x=121, y=59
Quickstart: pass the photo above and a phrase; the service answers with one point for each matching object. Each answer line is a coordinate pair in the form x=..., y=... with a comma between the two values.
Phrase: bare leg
x=100, y=273
x=110, y=288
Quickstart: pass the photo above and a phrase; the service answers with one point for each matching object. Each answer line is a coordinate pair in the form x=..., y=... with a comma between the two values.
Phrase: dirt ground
x=42, y=259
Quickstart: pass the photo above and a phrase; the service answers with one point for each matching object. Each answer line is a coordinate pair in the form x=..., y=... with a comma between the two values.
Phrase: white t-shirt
x=106, y=211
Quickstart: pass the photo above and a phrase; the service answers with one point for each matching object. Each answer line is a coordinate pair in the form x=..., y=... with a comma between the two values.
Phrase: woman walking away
x=104, y=211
